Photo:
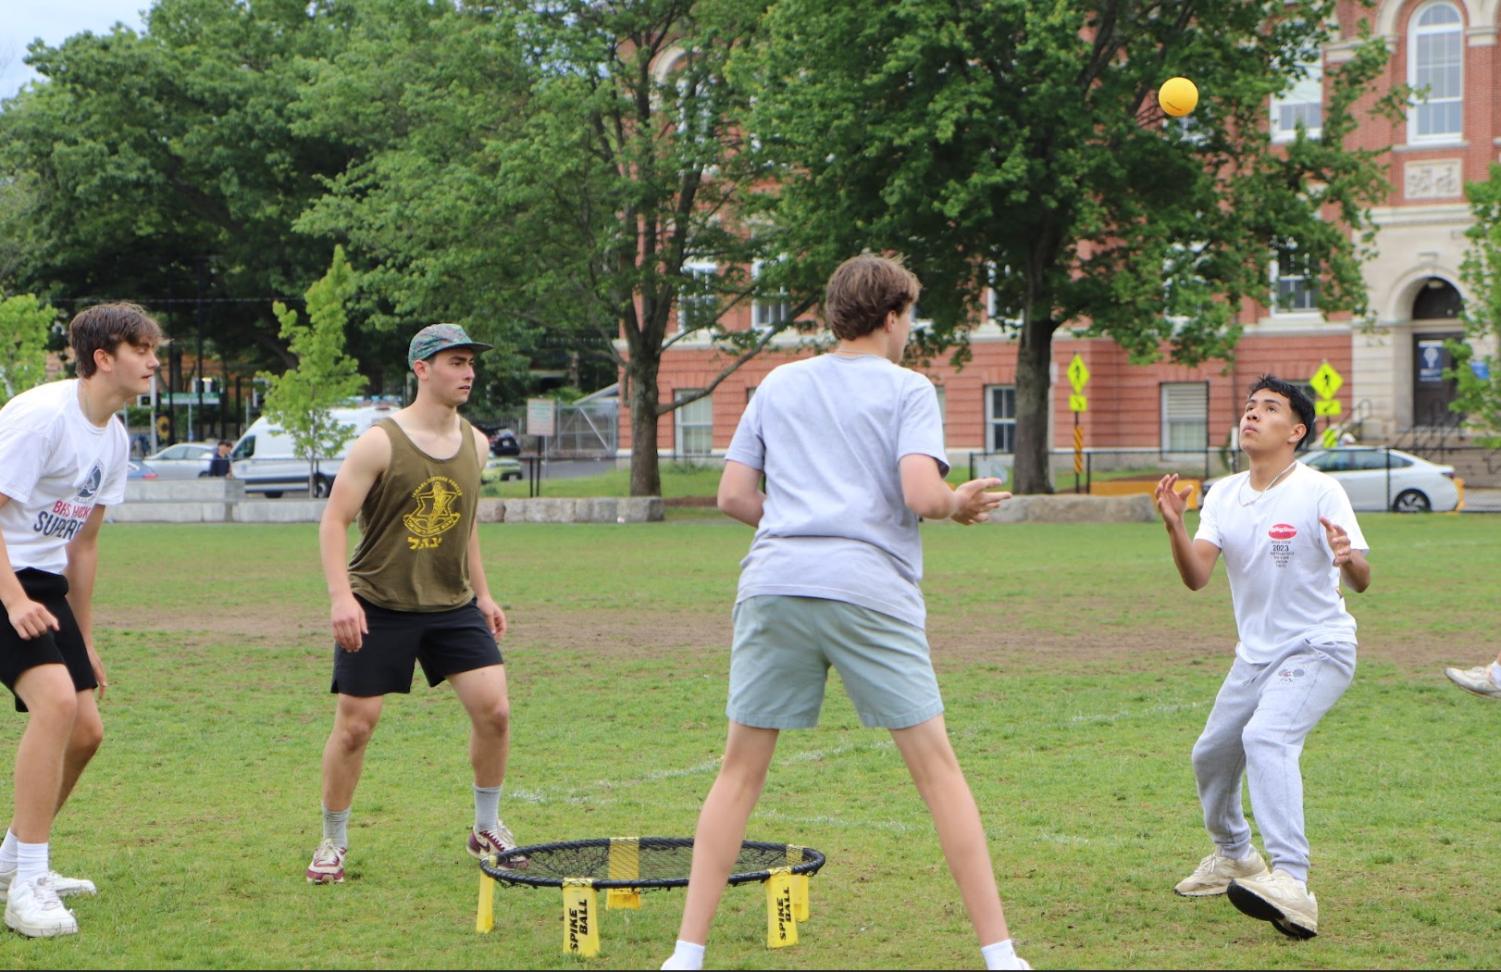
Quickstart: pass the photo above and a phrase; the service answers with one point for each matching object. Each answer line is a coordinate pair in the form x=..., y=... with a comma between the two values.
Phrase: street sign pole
x=1078, y=377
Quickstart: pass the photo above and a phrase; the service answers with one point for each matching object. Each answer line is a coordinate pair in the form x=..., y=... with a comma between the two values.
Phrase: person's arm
x=1354, y=569
x=30, y=619
x=366, y=462
x=83, y=566
x=494, y=616
x=926, y=494
x=1193, y=558
x=740, y=495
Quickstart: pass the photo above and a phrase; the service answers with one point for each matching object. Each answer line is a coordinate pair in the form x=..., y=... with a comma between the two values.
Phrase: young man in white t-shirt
x=851, y=446
x=1289, y=539
x=63, y=459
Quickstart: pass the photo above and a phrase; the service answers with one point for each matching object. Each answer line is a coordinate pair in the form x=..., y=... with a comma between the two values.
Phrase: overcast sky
x=53, y=20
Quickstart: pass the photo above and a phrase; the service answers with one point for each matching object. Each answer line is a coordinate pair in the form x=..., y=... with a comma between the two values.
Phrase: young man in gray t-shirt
x=851, y=446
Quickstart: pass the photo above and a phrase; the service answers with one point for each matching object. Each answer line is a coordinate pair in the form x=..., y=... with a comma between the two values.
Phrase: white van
x=266, y=461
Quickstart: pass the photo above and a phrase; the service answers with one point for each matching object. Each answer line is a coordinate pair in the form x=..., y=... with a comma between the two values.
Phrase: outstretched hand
x=1339, y=541
x=1171, y=503
x=975, y=503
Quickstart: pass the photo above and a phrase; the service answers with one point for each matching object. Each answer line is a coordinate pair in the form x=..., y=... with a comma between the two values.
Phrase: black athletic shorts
x=444, y=642
x=64, y=646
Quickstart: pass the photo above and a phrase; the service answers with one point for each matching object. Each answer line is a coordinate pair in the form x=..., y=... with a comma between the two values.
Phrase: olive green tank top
x=415, y=526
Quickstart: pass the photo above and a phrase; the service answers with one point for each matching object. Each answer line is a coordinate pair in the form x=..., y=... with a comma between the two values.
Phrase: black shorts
x=444, y=642
x=64, y=646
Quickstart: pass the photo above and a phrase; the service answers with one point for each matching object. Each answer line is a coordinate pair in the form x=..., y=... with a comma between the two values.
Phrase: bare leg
x=52, y=702
x=344, y=754
x=483, y=694
x=935, y=769
x=721, y=824
x=88, y=735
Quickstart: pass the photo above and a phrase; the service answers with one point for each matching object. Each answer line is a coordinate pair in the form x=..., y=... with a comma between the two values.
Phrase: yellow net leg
x=781, y=926
x=625, y=865
x=799, y=884
x=484, y=915
x=580, y=918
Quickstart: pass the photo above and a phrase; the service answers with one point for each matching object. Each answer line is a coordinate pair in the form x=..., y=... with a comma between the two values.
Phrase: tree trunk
x=646, y=472
x=1030, y=474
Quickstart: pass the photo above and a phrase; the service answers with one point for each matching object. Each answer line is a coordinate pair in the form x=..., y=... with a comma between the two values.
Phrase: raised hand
x=1339, y=541
x=1170, y=503
x=974, y=503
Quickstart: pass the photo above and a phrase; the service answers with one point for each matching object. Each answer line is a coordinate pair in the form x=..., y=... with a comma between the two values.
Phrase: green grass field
x=1077, y=672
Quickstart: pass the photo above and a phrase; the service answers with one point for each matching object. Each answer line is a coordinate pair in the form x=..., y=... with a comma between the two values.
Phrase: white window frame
x=688, y=302
x=767, y=314
x=1305, y=98
x=1309, y=287
x=700, y=424
x=993, y=421
x=1170, y=420
x=1415, y=34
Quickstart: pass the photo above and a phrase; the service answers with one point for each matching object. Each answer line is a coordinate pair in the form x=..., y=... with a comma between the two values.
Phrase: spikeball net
x=623, y=867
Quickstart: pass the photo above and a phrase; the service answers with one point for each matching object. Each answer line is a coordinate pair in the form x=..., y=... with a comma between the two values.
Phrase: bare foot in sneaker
x=327, y=866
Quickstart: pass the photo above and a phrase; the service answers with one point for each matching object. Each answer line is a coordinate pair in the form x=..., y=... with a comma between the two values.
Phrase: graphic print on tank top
x=435, y=513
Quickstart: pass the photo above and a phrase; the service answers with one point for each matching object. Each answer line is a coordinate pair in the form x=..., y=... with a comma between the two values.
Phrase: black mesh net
x=638, y=862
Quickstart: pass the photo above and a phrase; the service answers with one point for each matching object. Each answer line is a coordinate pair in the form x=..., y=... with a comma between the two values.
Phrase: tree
x=585, y=159
x=24, y=325
x=1018, y=146
x=1477, y=366
x=301, y=399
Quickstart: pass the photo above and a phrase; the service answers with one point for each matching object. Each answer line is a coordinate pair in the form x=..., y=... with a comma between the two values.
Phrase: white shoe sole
x=41, y=929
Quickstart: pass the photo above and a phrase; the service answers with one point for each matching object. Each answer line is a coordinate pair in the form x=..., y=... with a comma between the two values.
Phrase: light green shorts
x=785, y=645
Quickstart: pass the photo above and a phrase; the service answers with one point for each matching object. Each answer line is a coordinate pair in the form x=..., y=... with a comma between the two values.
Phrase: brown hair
x=863, y=290
x=104, y=327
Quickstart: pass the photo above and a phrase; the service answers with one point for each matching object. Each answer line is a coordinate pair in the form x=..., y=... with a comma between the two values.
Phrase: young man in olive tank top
x=415, y=589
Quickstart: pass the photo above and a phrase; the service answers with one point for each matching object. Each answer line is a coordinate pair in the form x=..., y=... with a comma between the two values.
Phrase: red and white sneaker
x=327, y=866
x=494, y=841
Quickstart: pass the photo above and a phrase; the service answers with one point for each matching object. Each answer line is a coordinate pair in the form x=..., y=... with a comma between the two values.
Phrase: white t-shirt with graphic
x=55, y=467
x=1283, y=582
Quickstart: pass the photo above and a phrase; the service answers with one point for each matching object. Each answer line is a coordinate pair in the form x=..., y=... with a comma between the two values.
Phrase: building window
x=698, y=303
x=1293, y=288
x=768, y=310
x=1000, y=418
x=1303, y=104
x=1435, y=69
x=1185, y=416
x=694, y=424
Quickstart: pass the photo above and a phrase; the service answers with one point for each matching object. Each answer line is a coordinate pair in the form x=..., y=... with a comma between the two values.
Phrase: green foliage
x=1018, y=146
x=1480, y=397
x=302, y=398
x=25, y=323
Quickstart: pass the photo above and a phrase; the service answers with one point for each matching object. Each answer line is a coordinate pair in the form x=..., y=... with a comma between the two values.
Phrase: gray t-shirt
x=829, y=433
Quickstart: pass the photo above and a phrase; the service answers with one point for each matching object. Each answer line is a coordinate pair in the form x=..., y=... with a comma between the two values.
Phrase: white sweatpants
x=1260, y=719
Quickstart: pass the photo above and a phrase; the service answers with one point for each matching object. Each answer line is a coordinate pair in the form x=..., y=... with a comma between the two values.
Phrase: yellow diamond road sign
x=1078, y=375
x=1078, y=403
x=1326, y=381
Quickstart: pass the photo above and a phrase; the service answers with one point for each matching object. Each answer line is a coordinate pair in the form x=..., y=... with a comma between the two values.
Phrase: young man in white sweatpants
x=1290, y=540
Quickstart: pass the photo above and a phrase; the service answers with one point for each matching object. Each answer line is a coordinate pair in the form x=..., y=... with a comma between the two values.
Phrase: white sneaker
x=1215, y=872
x=34, y=909
x=1280, y=899
x=65, y=887
x=327, y=866
x=1477, y=680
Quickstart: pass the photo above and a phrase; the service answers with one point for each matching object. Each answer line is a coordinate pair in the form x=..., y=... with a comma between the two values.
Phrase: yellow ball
x=1177, y=96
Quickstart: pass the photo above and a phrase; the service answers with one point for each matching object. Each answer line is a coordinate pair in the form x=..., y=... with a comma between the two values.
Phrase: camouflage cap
x=440, y=337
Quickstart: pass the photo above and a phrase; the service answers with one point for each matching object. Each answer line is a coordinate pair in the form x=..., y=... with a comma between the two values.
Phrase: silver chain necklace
x=1262, y=492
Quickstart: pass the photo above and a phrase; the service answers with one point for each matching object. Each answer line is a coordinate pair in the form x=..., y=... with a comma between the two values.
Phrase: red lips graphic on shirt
x=1282, y=531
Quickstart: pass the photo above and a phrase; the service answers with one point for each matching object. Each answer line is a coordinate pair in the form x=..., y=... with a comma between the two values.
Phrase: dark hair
x=104, y=327
x=1295, y=396
x=863, y=290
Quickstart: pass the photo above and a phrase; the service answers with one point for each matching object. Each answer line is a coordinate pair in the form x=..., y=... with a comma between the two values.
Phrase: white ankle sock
x=31, y=860
x=1000, y=955
x=486, y=807
x=1495, y=678
x=8, y=852
x=685, y=955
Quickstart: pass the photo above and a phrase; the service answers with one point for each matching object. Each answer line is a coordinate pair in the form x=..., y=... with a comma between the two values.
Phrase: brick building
x=1393, y=380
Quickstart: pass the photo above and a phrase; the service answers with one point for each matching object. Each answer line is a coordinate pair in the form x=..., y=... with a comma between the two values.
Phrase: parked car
x=1378, y=479
x=503, y=442
x=136, y=469
x=185, y=460
x=500, y=468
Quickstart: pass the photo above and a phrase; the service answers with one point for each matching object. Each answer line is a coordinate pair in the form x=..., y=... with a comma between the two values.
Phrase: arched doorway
x=1436, y=300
